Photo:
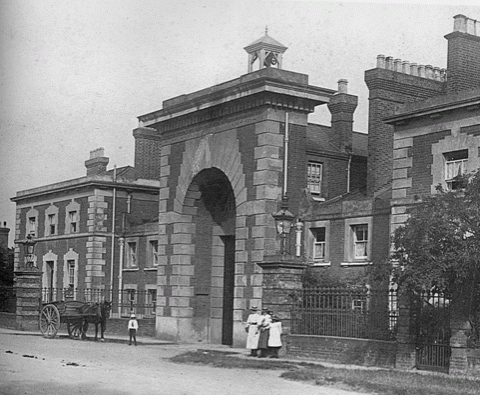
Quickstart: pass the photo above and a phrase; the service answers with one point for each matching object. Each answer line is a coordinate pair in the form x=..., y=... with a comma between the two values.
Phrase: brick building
x=437, y=139
x=78, y=225
x=192, y=222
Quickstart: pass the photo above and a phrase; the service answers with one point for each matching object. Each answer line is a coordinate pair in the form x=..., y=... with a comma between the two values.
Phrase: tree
x=439, y=248
x=439, y=244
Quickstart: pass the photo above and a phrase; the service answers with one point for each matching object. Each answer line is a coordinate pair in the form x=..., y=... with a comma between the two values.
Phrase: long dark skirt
x=263, y=340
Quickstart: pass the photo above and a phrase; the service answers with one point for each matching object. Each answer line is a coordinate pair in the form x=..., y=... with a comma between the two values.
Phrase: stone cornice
x=277, y=101
x=280, y=262
x=265, y=87
x=463, y=35
x=469, y=100
x=97, y=181
x=146, y=133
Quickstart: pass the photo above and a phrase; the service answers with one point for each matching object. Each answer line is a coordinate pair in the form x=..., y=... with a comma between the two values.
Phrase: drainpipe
x=348, y=172
x=120, y=275
x=285, y=157
x=112, y=260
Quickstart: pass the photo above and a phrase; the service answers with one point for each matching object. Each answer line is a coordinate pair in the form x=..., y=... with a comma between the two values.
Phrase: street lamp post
x=283, y=220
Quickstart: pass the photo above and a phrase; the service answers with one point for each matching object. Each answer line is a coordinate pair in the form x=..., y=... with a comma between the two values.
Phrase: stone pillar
x=281, y=277
x=28, y=287
x=459, y=325
x=405, y=358
x=458, y=344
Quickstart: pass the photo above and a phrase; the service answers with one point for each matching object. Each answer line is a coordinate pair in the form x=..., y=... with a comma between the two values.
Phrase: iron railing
x=345, y=312
x=432, y=326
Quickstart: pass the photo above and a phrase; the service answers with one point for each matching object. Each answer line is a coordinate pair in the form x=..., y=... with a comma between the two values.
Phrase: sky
x=74, y=75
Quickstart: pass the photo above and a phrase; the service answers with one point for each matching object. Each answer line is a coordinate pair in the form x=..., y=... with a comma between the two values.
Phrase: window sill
x=150, y=269
x=356, y=263
x=321, y=263
x=130, y=269
x=318, y=198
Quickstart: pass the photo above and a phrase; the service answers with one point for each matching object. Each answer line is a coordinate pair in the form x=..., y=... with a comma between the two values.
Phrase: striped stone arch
x=220, y=150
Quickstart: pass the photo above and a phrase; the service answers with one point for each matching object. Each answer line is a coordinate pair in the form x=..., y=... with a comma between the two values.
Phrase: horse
x=97, y=314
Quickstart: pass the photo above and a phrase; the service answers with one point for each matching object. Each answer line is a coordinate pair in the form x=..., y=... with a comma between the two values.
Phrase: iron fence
x=431, y=310
x=124, y=302
x=345, y=312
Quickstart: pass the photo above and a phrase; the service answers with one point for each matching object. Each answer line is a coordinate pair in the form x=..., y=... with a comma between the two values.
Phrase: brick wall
x=118, y=326
x=389, y=88
x=147, y=153
x=342, y=350
x=463, y=62
x=421, y=170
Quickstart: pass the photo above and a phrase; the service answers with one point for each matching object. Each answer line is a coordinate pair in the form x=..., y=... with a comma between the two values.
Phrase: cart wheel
x=74, y=329
x=49, y=321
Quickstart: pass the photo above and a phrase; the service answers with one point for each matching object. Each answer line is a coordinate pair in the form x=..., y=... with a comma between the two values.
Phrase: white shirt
x=133, y=324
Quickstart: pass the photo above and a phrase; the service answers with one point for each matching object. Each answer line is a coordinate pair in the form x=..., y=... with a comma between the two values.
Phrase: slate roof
x=318, y=140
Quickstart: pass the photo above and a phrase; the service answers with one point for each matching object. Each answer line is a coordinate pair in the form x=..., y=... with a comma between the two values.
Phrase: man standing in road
x=132, y=329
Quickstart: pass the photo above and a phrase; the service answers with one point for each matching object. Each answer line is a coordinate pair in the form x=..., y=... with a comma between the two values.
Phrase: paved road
x=30, y=364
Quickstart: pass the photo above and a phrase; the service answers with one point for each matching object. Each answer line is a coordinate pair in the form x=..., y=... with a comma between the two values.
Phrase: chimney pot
x=97, y=153
x=406, y=67
x=443, y=75
x=460, y=23
x=342, y=86
x=471, y=26
x=381, y=61
x=389, y=63
x=397, y=65
x=429, y=72
x=421, y=70
x=414, y=69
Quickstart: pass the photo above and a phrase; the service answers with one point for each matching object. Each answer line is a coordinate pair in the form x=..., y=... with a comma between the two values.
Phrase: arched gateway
x=219, y=153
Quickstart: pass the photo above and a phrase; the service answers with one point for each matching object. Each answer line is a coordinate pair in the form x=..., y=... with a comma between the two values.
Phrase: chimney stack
x=4, y=231
x=97, y=163
x=463, y=63
x=342, y=106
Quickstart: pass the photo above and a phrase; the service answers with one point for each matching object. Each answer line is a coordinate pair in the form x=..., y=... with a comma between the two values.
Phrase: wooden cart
x=72, y=312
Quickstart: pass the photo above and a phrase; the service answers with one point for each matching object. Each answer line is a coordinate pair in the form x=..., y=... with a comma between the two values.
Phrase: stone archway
x=213, y=239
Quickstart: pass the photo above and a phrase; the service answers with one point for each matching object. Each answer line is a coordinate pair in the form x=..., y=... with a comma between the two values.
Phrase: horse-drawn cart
x=75, y=314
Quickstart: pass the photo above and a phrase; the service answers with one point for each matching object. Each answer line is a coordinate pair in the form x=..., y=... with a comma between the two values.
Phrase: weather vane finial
x=266, y=30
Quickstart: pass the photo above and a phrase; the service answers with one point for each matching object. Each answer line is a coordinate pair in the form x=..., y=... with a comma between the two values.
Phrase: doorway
x=228, y=288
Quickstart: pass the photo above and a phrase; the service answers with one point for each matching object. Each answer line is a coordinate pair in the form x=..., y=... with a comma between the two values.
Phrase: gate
x=433, y=331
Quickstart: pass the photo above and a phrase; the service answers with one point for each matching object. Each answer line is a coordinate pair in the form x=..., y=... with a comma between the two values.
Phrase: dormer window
x=456, y=165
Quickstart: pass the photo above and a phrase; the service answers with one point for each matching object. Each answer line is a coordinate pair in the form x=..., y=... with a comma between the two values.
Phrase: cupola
x=267, y=51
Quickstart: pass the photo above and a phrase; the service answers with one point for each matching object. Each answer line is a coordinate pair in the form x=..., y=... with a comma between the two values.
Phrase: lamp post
x=283, y=220
x=29, y=247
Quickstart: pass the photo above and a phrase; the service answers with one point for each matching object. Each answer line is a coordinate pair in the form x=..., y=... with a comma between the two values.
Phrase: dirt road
x=34, y=365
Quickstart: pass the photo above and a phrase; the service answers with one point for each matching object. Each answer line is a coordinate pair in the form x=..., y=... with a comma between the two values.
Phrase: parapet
x=405, y=67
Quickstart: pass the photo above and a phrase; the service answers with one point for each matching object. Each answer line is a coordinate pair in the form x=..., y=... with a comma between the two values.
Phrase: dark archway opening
x=214, y=245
